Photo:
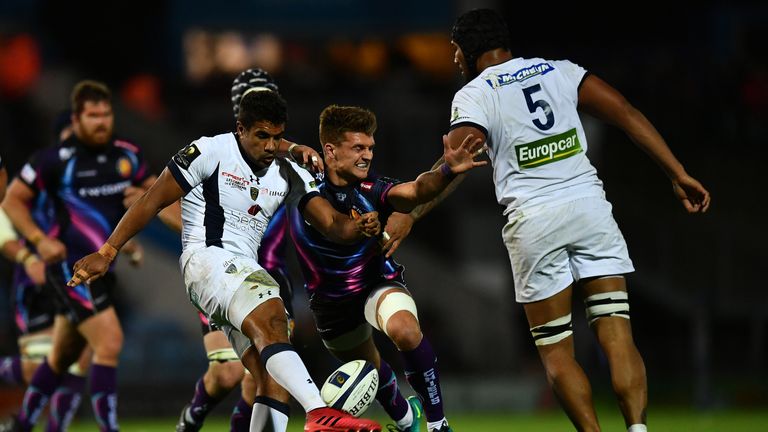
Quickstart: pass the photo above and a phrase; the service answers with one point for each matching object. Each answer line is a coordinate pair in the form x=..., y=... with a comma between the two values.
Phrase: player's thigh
x=227, y=287
x=606, y=303
x=551, y=325
x=537, y=242
x=597, y=247
x=340, y=322
x=216, y=340
x=68, y=343
x=103, y=332
x=390, y=308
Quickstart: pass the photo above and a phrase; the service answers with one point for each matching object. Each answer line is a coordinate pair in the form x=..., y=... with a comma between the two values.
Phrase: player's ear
x=239, y=128
x=329, y=150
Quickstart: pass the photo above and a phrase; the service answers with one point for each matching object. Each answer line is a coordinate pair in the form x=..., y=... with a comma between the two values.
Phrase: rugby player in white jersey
x=560, y=235
x=230, y=185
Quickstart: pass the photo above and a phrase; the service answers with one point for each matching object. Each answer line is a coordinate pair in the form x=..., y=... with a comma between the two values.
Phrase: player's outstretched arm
x=598, y=98
x=427, y=186
x=170, y=216
x=399, y=224
x=163, y=193
x=339, y=227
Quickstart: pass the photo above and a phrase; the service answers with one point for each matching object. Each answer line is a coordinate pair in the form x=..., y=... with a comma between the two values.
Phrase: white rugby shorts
x=226, y=287
x=550, y=247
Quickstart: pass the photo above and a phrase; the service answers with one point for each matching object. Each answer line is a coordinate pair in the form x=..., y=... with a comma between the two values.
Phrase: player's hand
x=397, y=229
x=308, y=158
x=691, y=193
x=462, y=159
x=35, y=269
x=131, y=194
x=135, y=252
x=368, y=224
x=51, y=250
x=88, y=269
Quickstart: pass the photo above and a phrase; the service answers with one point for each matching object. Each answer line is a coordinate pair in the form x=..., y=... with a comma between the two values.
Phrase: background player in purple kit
x=84, y=177
x=355, y=287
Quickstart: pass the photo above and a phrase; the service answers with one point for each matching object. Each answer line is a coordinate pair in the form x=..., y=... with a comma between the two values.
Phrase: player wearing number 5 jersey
x=560, y=233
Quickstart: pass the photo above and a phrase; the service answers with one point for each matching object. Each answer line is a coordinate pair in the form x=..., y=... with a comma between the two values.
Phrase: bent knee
x=404, y=331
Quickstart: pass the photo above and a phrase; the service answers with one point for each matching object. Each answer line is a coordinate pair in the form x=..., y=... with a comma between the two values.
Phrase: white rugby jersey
x=228, y=203
x=537, y=145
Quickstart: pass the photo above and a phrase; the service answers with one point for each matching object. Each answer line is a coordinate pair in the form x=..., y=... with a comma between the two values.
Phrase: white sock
x=289, y=371
x=436, y=424
x=259, y=417
x=638, y=428
x=407, y=420
x=279, y=421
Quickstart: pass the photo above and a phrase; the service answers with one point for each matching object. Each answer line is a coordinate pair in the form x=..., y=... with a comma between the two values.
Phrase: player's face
x=94, y=124
x=459, y=60
x=352, y=157
x=260, y=141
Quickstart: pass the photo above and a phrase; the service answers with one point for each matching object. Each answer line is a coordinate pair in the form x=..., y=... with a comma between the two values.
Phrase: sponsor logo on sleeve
x=456, y=115
x=186, y=155
x=548, y=150
x=28, y=173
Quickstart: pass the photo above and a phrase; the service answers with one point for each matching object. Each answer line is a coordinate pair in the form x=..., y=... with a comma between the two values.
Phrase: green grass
x=667, y=420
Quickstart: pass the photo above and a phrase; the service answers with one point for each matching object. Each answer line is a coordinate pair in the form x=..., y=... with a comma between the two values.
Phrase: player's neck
x=492, y=58
x=337, y=180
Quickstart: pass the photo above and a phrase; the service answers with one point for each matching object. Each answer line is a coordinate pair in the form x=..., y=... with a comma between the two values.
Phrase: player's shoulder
x=217, y=143
x=127, y=145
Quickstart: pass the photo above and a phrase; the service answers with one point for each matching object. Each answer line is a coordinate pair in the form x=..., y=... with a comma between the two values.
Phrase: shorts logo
x=254, y=193
x=186, y=155
x=548, y=150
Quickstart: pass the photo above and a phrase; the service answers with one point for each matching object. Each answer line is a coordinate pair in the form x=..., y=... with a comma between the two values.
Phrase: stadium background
x=700, y=75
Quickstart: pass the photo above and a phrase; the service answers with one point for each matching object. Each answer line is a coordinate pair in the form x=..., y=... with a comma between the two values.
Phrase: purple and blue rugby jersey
x=85, y=187
x=272, y=246
x=336, y=270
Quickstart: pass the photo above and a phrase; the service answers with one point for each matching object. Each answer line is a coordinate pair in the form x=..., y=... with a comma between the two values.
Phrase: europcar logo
x=496, y=81
x=548, y=150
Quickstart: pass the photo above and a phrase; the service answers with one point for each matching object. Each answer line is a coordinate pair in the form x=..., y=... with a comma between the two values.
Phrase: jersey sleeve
x=39, y=171
x=468, y=108
x=194, y=164
x=379, y=188
x=302, y=184
x=572, y=73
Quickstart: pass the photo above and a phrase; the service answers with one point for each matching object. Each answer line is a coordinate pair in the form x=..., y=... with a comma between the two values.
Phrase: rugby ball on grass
x=352, y=387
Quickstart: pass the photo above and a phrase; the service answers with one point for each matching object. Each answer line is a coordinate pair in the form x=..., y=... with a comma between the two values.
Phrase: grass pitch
x=666, y=420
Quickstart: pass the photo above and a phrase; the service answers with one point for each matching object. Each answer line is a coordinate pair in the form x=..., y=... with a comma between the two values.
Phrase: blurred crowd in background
x=700, y=75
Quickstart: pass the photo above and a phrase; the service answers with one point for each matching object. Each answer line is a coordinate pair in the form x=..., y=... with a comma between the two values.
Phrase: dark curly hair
x=262, y=105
